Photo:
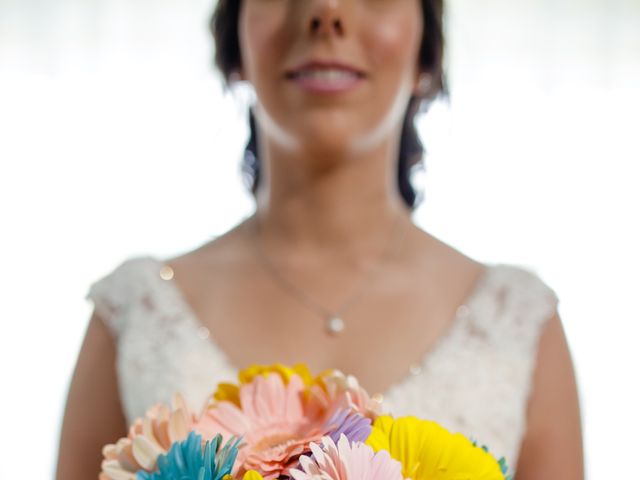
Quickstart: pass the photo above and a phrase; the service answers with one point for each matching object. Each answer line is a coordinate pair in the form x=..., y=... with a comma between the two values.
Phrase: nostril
x=315, y=24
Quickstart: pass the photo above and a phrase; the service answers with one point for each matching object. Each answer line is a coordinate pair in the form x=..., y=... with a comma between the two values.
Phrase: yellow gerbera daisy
x=230, y=391
x=428, y=451
x=252, y=475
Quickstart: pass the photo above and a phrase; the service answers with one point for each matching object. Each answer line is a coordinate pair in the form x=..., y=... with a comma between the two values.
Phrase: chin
x=326, y=138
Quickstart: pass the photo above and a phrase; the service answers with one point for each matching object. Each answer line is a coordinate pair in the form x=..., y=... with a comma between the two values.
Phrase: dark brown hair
x=224, y=28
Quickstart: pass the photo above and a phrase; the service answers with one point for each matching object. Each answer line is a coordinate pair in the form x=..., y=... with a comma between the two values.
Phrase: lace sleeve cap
x=113, y=294
x=529, y=306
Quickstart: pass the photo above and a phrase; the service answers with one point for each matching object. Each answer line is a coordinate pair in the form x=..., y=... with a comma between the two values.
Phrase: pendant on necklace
x=335, y=325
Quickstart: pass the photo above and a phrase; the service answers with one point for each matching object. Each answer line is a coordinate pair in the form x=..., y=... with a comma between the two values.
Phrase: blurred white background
x=116, y=140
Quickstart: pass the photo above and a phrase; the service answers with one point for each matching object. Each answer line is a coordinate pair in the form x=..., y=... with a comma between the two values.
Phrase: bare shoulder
x=552, y=447
x=226, y=248
x=212, y=267
x=442, y=261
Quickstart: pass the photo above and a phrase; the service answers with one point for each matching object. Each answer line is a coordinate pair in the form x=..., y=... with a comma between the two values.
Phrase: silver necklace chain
x=334, y=323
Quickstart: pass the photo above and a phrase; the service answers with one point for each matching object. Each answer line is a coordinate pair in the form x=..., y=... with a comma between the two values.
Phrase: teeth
x=327, y=74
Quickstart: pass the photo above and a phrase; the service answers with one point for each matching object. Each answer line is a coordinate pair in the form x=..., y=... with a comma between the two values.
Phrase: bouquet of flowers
x=281, y=422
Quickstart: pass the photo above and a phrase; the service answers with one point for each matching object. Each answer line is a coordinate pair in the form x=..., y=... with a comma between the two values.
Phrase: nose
x=326, y=18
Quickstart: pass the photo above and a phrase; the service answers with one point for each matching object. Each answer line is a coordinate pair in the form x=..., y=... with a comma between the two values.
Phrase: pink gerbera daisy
x=346, y=461
x=277, y=420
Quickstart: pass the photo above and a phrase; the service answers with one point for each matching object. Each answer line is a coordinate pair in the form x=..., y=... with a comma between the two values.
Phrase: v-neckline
x=463, y=311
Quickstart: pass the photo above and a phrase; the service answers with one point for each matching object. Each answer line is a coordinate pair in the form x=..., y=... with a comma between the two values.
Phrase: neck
x=340, y=206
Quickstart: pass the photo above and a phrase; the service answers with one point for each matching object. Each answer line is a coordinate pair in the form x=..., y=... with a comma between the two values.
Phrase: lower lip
x=320, y=85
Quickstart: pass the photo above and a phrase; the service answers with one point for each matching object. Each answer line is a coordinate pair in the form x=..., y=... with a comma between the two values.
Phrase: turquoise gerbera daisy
x=187, y=460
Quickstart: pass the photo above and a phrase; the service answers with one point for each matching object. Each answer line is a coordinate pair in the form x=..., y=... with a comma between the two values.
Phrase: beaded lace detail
x=476, y=380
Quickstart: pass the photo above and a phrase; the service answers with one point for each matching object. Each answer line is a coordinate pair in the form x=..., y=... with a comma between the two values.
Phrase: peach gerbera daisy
x=337, y=390
x=330, y=387
x=277, y=418
x=148, y=438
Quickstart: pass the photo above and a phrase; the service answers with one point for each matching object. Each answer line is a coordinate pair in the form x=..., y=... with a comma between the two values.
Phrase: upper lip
x=324, y=64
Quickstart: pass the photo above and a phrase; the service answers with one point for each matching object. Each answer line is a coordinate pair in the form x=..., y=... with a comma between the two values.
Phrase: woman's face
x=380, y=38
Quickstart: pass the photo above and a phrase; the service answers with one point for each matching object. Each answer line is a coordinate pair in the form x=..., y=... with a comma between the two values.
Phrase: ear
x=237, y=75
x=422, y=83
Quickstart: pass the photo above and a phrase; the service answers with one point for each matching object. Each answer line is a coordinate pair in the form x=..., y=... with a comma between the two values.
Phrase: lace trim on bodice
x=476, y=379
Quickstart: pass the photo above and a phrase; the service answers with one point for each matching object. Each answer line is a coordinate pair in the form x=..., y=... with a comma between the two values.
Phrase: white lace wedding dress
x=476, y=380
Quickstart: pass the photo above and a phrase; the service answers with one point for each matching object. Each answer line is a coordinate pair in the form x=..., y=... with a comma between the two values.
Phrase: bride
x=330, y=270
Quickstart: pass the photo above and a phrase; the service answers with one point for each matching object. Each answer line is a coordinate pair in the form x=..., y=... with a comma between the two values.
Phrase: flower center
x=274, y=441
